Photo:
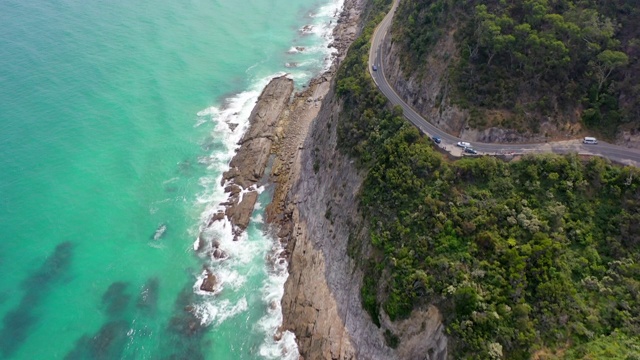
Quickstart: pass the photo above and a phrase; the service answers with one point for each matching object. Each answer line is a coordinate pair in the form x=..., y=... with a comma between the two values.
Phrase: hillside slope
x=520, y=70
x=535, y=258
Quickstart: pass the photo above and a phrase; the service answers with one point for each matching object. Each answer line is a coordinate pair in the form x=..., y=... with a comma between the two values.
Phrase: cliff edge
x=315, y=208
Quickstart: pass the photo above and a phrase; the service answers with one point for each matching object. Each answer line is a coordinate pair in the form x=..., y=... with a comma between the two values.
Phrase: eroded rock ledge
x=248, y=165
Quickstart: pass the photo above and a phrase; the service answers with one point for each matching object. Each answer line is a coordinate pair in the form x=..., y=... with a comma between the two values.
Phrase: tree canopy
x=536, y=255
x=536, y=57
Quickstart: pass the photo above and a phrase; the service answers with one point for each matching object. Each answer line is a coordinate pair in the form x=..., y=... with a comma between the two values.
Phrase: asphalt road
x=613, y=152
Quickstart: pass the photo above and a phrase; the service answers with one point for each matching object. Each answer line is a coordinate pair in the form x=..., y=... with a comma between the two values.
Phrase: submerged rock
x=148, y=297
x=116, y=299
x=162, y=228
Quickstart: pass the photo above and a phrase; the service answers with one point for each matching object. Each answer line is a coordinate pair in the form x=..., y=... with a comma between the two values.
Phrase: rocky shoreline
x=248, y=165
x=281, y=122
x=314, y=211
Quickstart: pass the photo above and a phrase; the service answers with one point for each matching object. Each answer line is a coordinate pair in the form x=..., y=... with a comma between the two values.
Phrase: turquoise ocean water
x=113, y=122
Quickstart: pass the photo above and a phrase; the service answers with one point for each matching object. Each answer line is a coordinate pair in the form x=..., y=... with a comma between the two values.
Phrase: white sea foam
x=325, y=21
x=215, y=313
x=276, y=344
x=208, y=111
x=155, y=244
x=320, y=30
x=330, y=10
x=227, y=278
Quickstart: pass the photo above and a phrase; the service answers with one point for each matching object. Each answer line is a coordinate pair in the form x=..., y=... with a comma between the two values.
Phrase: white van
x=590, y=140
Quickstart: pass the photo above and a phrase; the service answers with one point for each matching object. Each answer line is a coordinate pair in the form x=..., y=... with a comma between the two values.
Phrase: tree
x=607, y=61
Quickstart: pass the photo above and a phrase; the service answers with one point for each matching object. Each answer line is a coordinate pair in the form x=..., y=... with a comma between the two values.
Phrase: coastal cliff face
x=315, y=209
x=322, y=304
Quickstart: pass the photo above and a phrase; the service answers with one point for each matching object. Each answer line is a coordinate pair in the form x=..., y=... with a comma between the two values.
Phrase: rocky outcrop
x=248, y=165
x=210, y=282
x=629, y=137
x=315, y=208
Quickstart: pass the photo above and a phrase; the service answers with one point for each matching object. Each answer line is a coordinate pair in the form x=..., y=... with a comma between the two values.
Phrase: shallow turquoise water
x=113, y=121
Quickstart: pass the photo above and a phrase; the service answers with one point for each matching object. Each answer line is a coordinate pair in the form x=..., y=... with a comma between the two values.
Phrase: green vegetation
x=533, y=58
x=613, y=347
x=539, y=254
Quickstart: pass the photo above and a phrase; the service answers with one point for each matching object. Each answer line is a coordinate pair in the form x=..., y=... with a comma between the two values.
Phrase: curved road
x=613, y=152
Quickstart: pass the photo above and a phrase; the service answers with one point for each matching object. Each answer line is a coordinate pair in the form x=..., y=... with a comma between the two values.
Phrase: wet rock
x=247, y=166
x=240, y=214
x=219, y=254
x=210, y=282
x=216, y=217
x=232, y=189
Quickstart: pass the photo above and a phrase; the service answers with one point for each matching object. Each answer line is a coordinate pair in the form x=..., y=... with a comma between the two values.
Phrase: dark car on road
x=436, y=140
x=375, y=68
x=469, y=150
